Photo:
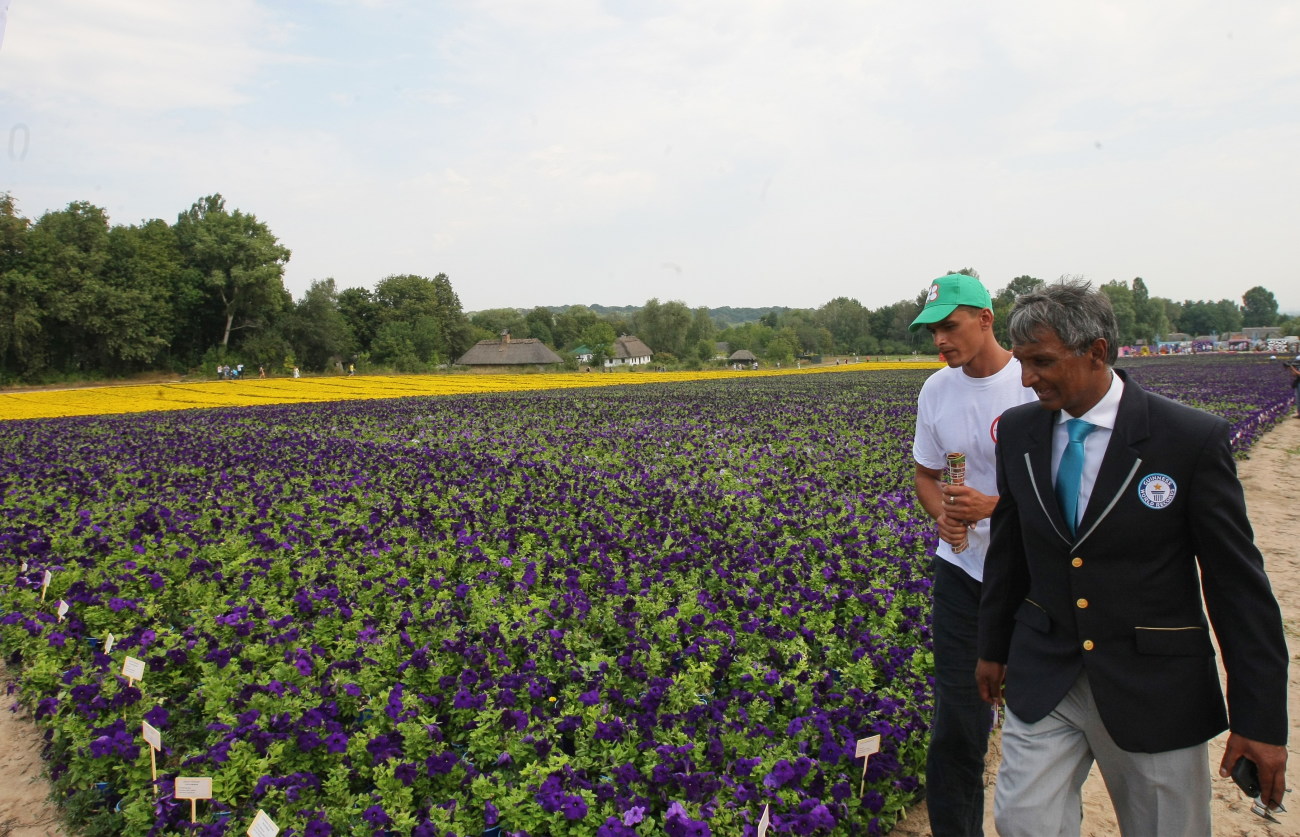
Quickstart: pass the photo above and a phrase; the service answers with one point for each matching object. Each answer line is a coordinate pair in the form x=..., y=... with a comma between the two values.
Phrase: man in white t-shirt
x=958, y=412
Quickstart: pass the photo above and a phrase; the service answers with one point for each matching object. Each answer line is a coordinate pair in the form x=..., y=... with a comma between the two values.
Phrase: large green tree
x=143, y=264
x=598, y=336
x=316, y=328
x=1258, y=307
x=664, y=326
x=67, y=251
x=540, y=323
x=570, y=325
x=1201, y=318
x=361, y=314
x=494, y=321
x=235, y=259
x=1121, y=302
x=1005, y=299
x=1153, y=320
x=848, y=323
x=20, y=296
x=699, y=336
x=419, y=318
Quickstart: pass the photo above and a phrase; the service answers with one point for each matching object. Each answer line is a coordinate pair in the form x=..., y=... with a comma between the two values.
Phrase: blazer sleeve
x=1006, y=572
x=1245, y=614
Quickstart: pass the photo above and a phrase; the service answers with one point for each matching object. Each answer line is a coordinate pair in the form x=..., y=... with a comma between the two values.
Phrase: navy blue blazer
x=1122, y=600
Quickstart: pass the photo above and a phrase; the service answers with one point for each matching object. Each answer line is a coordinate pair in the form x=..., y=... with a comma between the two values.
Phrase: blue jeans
x=959, y=737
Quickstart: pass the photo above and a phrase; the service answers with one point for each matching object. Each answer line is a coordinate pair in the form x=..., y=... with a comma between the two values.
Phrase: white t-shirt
x=959, y=414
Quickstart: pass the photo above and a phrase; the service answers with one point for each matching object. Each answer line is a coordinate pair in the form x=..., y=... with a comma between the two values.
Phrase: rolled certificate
x=954, y=473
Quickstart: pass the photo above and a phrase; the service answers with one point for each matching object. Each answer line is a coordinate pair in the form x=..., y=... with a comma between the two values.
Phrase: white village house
x=628, y=351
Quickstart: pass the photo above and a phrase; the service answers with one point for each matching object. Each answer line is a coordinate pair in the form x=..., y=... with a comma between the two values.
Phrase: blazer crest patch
x=1157, y=491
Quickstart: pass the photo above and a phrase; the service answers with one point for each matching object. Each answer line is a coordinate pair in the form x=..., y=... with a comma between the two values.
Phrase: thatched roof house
x=507, y=355
x=742, y=356
x=628, y=351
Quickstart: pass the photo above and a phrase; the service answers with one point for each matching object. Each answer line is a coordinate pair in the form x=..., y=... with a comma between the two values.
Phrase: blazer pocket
x=1033, y=615
x=1191, y=641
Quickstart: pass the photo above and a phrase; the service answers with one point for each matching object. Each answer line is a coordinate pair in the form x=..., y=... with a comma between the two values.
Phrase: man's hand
x=1270, y=758
x=953, y=507
x=962, y=502
x=952, y=530
x=990, y=676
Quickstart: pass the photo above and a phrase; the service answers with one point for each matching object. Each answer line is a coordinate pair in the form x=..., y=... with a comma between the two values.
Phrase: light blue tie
x=1070, y=473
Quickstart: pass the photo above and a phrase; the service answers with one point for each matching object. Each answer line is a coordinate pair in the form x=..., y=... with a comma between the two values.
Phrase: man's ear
x=1098, y=351
x=986, y=318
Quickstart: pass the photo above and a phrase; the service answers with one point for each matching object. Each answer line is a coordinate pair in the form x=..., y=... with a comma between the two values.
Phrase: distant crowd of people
x=234, y=373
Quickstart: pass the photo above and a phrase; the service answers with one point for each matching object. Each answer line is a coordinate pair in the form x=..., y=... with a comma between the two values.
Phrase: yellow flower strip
x=186, y=396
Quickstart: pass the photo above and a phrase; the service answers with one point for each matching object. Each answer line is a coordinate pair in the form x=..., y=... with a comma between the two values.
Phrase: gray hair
x=1077, y=313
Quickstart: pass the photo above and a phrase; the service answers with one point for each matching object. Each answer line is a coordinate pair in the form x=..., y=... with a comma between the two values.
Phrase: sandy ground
x=1269, y=476
x=24, y=808
x=1273, y=502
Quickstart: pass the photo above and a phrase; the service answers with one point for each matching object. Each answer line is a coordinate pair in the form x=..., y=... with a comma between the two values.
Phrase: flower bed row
x=261, y=391
x=619, y=611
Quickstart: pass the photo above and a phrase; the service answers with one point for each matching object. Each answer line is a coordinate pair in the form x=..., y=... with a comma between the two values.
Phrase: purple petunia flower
x=376, y=816
x=678, y=823
x=317, y=828
x=574, y=807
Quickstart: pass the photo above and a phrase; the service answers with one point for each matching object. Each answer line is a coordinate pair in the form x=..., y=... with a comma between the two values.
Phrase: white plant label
x=133, y=669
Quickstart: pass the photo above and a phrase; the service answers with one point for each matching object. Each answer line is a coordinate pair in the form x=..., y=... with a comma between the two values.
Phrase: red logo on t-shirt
x=993, y=429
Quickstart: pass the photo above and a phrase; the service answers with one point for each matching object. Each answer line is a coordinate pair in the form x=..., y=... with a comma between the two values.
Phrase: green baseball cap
x=948, y=292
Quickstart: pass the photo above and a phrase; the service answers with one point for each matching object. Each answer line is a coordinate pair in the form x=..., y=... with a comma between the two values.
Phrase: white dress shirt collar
x=1106, y=411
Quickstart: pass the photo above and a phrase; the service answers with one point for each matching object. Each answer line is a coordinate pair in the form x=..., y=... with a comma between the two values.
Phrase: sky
x=726, y=152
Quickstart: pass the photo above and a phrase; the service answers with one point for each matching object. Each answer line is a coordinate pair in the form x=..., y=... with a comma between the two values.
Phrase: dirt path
x=24, y=807
x=1273, y=500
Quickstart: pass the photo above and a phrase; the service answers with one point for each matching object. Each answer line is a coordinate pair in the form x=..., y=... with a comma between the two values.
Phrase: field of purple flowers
x=622, y=611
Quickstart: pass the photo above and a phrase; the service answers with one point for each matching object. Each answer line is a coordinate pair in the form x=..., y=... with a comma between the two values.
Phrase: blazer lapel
x=1121, y=461
x=1038, y=462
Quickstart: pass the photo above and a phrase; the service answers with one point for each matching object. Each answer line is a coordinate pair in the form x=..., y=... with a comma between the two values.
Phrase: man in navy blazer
x=1091, y=619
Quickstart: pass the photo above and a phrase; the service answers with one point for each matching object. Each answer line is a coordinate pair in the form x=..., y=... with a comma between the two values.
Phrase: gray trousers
x=1044, y=765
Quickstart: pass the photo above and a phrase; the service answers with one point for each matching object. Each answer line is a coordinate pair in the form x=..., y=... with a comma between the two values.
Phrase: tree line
x=81, y=298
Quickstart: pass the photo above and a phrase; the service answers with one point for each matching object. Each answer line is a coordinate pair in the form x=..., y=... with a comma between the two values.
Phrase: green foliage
x=1121, y=302
x=664, y=327
x=318, y=329
x=1201, y=317
x=1258, y=307
x=235, y=258
x=420, y=321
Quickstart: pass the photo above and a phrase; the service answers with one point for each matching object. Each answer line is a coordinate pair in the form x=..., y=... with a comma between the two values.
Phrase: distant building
x=628, y=351
x=1257, y=333
x=507, y=355
x=742, y=356
x=1238, y=342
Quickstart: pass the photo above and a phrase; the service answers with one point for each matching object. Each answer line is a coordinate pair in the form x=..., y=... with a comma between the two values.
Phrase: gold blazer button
x=1082, y=603
x=1087, y=645
x=1077, y=562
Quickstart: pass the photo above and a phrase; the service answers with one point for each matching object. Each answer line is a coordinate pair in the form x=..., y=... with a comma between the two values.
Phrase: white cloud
x=136, y=54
